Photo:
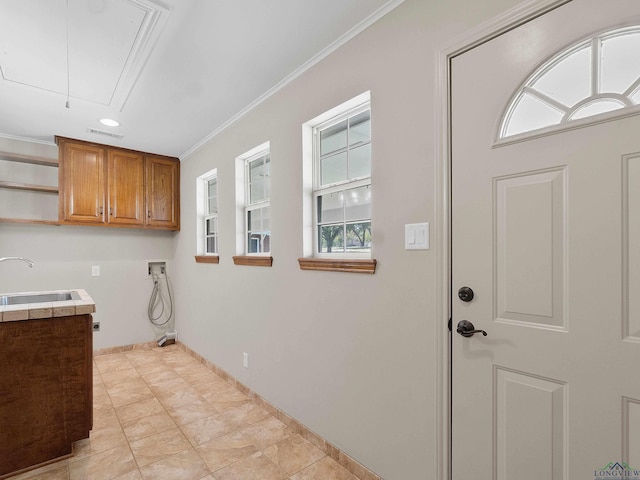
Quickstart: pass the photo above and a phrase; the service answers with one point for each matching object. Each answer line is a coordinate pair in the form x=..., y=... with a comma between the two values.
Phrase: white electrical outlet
x=245, y=360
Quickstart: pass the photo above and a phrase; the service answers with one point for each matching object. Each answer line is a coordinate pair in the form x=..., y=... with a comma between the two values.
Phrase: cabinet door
x=163, y=201
x=126, y=188
x=82, y=183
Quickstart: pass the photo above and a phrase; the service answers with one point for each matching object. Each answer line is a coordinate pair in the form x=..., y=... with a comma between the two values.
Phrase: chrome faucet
x=25, y=260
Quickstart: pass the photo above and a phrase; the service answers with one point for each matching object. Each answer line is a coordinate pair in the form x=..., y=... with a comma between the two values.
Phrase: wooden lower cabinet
x=46, y=389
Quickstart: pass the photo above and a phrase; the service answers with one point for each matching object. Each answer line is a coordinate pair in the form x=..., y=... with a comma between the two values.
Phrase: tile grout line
x=164, y=408
x=141, y=372
x=119, y=421
x=342, y=458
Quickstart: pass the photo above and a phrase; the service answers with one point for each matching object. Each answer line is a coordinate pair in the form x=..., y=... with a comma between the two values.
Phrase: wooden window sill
x=339, y=265
x=253, y=260
x=207, y=259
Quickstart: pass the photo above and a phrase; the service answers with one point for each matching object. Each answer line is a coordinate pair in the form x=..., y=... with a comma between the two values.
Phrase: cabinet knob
x=148, y=213
x=101, y=209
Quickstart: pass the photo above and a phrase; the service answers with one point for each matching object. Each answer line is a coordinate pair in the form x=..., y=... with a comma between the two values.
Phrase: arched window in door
x=592, y=77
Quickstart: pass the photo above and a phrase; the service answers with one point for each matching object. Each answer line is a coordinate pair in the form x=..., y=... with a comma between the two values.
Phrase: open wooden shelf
x=28, y=186
x=35, y=160
x=18, y=157
x=29, y=220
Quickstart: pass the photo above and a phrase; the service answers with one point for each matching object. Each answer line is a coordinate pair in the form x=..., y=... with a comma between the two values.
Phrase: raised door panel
x=163, y=201
x=82, y=183
x=126, y=188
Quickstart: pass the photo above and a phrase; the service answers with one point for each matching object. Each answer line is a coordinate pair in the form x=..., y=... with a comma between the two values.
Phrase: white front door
x=546, y=233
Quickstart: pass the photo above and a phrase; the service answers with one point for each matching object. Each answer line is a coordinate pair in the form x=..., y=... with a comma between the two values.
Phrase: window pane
x=359, y=237
x=265, y=213
x=358, y=204
x=213, y=205
x=211, y=226
x=333, y=169
x=620, y=63
x=529, y=114
x=212, y=244
x=595, y=108
x=360, y=128
x=213, y=187
x=330, y=208
x=333, y=138
x=257, y=191
x=254, y=243
x=331, y=239
x=259, y=242
x=360, y=162
x=259, y=180
x=254, y=220
x=212, y=196
x=569, y=81
x=259, y=233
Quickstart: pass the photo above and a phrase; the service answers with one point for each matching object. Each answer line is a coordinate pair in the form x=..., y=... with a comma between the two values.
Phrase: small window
x=257, y=203
x=593, y=77
x=342, y=184
x=207, y=221
x=211, y=216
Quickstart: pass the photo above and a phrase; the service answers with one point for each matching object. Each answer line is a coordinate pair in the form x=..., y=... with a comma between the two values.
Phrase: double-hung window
x=257, y=210
x=342, y=184
x=211, y=215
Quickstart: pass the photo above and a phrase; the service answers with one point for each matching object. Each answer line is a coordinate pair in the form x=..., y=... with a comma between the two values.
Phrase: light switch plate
x=416, y=236
x=95, y=271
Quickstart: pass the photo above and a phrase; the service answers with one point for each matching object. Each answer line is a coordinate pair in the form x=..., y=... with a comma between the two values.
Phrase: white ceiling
x=171, y=72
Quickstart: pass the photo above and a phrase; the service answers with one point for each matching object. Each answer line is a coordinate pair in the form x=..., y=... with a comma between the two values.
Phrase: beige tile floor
x=159, y=414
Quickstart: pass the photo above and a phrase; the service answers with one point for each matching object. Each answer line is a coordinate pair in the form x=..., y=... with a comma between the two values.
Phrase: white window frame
x=262, y=205
x=243, y=200
x=203, y=213
x=210, y=216
x=319, y=190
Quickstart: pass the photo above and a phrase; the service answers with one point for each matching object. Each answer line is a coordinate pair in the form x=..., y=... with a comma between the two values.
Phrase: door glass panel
x=530, y=114
x=620, y=62
x=596, y=108
x=569, y=81
x=566, y=81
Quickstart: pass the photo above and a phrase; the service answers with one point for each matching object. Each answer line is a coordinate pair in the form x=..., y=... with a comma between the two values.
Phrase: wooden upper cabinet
x=126, y=187
x=82, y=193
x=163, y=186
x=103, y=185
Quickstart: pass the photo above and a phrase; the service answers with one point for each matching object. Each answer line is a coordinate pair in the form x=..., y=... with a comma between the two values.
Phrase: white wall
x=64, y=256
x=353, y=357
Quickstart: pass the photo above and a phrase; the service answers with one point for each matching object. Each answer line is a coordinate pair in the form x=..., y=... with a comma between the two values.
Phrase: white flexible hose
x=156, y=297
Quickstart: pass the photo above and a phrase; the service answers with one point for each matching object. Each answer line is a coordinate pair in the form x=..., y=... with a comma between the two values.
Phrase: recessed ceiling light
x=109, y=122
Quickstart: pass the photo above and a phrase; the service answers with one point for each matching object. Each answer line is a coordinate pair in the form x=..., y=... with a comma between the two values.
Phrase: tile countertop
x=32, y=311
